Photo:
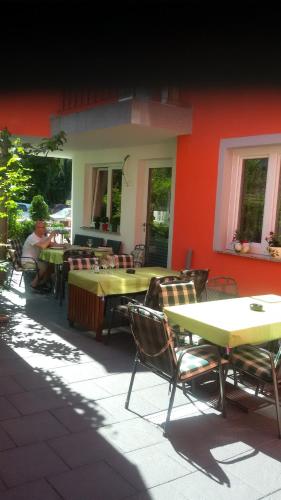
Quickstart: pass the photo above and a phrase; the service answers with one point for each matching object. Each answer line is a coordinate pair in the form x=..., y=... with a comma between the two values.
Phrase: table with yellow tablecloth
x=87, y=291
x=231, y=322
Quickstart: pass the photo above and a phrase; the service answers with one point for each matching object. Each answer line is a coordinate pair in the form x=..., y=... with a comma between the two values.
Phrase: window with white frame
x=248, y=192
x=107, y=191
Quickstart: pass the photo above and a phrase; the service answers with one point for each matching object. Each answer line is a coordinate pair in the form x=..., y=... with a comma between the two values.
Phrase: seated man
x=31, y=248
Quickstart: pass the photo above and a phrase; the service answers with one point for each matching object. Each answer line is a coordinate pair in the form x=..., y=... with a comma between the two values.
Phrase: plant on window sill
x=274, y=245
x=241, y=241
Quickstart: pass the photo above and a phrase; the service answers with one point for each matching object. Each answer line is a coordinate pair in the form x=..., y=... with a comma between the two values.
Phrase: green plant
x=242, y=235
x=273, y=240
x=104, y=219
x=20, y=230
x=39, y=209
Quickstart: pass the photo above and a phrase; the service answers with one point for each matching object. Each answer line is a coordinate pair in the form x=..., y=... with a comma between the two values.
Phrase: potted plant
x=274, y=245
x=115, y=222
x=241, y=241
x=104, y=223
x=97, y=221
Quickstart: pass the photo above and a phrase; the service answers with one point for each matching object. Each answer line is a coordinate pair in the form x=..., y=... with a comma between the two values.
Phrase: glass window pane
x=100, y=202
x=277, y=228
x=116, y=191
x=254, y=173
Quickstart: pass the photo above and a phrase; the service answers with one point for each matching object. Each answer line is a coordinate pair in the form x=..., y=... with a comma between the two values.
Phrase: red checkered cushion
x=86, y=263
x=123, y=261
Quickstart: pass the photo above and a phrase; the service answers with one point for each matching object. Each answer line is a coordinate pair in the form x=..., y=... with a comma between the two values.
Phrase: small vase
x=245, y=247
x=275, y=252
x=237, y=246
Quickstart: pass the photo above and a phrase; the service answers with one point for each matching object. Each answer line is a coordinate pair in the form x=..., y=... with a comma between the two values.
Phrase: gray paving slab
x=33, y=428
x=93, y=482
x=35, y=490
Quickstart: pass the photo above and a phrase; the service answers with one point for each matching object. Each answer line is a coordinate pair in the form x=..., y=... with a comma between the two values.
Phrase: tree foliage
x=15, y=170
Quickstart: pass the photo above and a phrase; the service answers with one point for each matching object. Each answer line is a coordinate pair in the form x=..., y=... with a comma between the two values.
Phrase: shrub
x=39, y=209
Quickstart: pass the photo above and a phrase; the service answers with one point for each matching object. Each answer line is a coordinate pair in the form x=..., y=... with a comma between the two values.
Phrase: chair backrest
x=123, y=261
x=152, y=295
x=199, y=277
x=138, y=255
x=15, y=254
x=221, y=287
x=175, y=294
x=82, y=263
x=153, y=338
x=81, y=239
x=115, y=245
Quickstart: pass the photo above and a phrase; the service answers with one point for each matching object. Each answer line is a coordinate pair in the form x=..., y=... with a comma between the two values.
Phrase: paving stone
x=83, y=416
x=7, y=410
x=27, y=463
x=9, y=386
x=39, y=400
x=82, y=448
x=93, y=482
x=88, y=390
x=32, y=380
x=34, y=428
x=116, y=406
x=36, y=490
x=119, y=383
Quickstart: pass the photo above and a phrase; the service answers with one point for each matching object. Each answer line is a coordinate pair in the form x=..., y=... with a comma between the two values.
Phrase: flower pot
x=237, y=246
x=104, y=226
x=245, y=247
x=274, y=252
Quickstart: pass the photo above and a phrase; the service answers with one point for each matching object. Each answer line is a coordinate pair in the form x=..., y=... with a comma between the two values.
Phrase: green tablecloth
x=116, y=281
x=231, y=322
x=53, y=255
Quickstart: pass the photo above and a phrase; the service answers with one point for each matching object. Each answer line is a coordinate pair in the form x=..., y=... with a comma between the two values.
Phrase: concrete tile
x=119, y=383
x=31, y=491
x=82, y=448
x=77, y=373
x=34, y=379
x=9, y=386
x=5, y=440
x=37, y=401
x=92, y=482
x=33, y=428
x=7, y=410
x=131, y=435
x=116, y=406
x=153, y=464
x=83, y=416
x=88, y=390
x=27, y=463
x=13, y=366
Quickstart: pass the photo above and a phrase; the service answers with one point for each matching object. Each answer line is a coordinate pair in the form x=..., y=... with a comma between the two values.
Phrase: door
x=158, y=216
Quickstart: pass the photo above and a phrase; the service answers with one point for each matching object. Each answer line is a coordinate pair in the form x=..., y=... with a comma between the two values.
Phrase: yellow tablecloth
x=116, y=281
x=231, y=322
x=53, y=255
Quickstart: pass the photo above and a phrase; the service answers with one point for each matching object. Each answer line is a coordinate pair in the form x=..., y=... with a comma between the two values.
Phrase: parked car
x=59, y=206
x=24, y=208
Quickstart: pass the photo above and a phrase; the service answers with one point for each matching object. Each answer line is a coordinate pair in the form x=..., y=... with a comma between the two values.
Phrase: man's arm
x=45, y=242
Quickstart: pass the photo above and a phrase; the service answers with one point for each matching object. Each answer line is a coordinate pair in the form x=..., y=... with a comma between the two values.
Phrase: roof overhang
x=130, y=122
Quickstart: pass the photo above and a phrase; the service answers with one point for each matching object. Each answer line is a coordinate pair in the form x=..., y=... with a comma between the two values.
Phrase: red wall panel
x=218, y=115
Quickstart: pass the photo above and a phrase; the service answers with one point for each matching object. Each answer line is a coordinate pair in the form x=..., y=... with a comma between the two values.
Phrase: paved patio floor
x=64, y=432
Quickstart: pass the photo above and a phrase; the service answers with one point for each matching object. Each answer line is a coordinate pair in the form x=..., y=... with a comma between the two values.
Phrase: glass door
x=158, y=216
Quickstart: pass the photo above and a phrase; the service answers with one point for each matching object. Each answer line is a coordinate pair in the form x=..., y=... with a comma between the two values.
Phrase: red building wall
x=218, y=115
x=28, y=113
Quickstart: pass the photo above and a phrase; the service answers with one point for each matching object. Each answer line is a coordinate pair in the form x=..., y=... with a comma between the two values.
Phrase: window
x=248, y=191
x=107, y=190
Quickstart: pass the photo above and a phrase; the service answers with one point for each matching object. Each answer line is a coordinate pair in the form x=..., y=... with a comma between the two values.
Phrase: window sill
x=250, y=255
x=99, y=231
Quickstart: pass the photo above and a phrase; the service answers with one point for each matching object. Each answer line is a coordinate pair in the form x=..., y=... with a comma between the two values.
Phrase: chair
x=115, y=245
x=151, y=300
x=263, y=366
x=156, y=351
x=138, y=255
x=81, y=239
x=15, y=257
x=221, y=287
x=69, y=255
x=200, y=279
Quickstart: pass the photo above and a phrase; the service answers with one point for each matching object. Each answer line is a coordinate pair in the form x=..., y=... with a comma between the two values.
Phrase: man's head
x=40, y=228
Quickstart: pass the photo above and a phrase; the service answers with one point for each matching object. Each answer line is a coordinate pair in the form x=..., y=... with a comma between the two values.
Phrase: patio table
x=231, y=322
x=87, y=291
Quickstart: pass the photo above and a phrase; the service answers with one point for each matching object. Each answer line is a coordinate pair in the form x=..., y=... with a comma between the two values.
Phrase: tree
x=15, y=172
x=39, y=209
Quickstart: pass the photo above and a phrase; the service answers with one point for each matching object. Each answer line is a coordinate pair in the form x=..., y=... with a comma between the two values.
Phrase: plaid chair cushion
x=253, y=361
x=123, y=261
x=195, y=360
x=138, y=257
x=86, y=263
x=177, y=294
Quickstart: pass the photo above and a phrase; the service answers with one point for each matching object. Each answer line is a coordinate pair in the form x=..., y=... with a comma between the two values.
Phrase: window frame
x=109, y=168
x=231, y=156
